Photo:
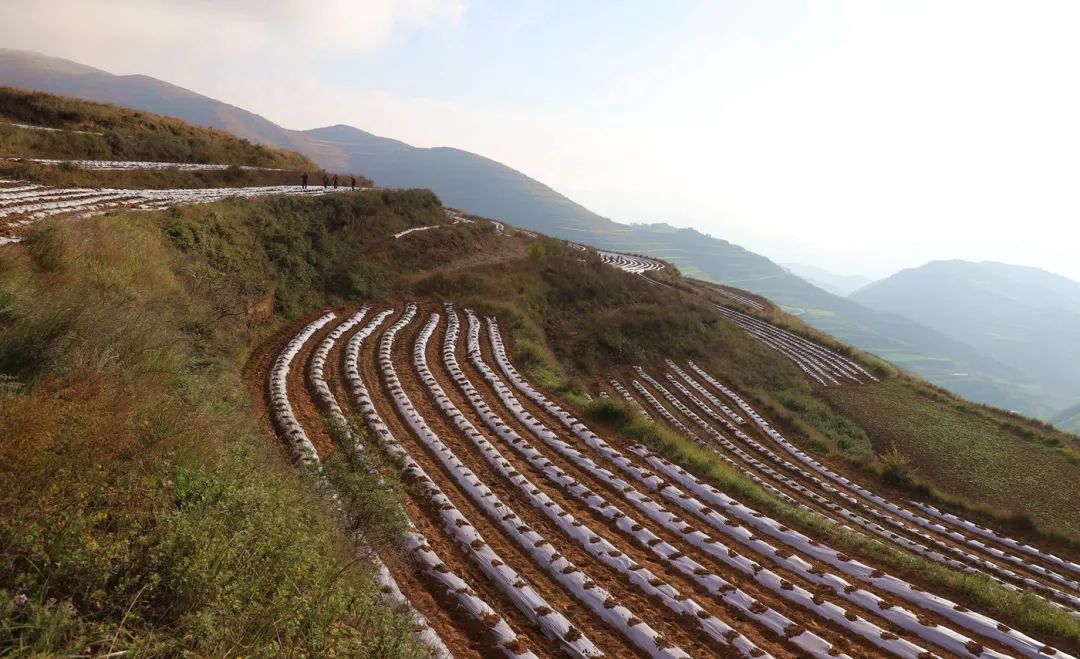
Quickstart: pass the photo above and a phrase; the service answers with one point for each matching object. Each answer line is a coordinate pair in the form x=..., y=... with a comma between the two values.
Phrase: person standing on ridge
x=353, y=183
x=335, y=181
x=325, y=180
x=303, y=180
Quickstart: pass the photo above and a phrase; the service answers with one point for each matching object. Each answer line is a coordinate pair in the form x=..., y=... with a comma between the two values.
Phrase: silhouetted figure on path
x=303, y=180
x=325, y=180
x=353, y=183
x=335, y=181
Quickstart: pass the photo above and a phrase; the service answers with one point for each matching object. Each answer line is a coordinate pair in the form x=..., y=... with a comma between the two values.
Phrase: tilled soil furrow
x=941, y=549
x=304, y=406
x=996, y=561
x=944, y=637
x=509, y=551
x=648, y=555
x=464, y=633
x=582, y=552
x=884, y=596
x=506, y=492
x=868, y=630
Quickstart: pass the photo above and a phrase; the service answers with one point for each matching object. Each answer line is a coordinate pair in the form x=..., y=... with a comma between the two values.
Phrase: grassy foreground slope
x=144, y=507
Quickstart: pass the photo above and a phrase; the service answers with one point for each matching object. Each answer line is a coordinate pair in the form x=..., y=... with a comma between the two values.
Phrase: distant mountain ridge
x=483, y=186
x=841, y=285
x=1026, y=318
x=1068, y=419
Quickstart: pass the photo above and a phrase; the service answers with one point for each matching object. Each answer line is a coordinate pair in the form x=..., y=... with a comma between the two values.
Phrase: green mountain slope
x=485, y=187
x=1025, y=318
x=830, y=281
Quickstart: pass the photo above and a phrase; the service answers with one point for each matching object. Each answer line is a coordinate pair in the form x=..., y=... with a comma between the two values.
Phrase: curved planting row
x=139, y=164
x=278, y=391
x=748, y=301
x=995, y=536
x=23, y=205
x=741, y=515
x=306, y=454
x=755, y=610
x=808, y=365
x=748, y=459
x=597, y=598
x=990, y=569
x=456, y=588
x=630, y=263
x=927, y=629
x=402, y=234
x=912, y=517
x=49, y=130
x=621, y=390
x=543, y=553
x=681, y=428
x=954, y=613
x=40, y=208
x=802, y=351
x=16, y=187
x=35, y=193
x=553, y=623
x=993, y=570
x=845, y=365
x=596, y=545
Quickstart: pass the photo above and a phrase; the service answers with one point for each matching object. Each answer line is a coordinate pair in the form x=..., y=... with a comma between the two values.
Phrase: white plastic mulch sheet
x=747, y=526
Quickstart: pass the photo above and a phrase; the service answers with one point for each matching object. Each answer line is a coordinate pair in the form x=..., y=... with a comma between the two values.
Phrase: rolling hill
x=830, y=281
x=485, y=187
x=1026, y=318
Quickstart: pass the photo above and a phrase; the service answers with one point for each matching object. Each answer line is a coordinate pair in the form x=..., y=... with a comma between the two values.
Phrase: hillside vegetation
x=109, y=132
x=143, y=506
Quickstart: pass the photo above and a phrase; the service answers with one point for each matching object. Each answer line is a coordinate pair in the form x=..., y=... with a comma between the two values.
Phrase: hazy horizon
x=857, y=137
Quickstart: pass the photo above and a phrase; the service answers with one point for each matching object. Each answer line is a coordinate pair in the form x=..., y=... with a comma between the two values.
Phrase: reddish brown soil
x=464, y=638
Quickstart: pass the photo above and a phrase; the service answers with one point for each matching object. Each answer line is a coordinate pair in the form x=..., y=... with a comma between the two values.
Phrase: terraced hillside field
x=531, y=534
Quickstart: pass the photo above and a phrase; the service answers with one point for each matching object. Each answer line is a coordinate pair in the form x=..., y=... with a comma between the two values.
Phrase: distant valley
x=1025, y=318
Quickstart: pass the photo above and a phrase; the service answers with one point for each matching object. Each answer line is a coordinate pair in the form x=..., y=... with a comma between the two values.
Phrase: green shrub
x=537, y=251
x=367, y=281
x=610, y=411
x=896, y=468
x=848, y=437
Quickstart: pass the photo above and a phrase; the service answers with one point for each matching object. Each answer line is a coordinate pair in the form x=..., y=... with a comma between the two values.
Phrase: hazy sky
x=858, y=136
